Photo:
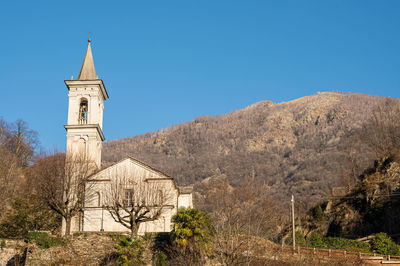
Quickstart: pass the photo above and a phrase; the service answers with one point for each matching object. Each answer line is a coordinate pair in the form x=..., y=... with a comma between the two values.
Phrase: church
x=125, y=196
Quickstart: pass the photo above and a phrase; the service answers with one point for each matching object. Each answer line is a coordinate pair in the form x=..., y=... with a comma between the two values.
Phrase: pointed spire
x=87, y=70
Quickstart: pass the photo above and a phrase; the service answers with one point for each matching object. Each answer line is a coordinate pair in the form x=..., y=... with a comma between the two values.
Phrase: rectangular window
x=128, y=197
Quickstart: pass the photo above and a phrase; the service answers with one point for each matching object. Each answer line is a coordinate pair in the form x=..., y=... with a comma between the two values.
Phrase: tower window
x=83, y=112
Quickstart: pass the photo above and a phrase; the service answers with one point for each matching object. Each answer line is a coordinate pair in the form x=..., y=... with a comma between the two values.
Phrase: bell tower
x=85, y=112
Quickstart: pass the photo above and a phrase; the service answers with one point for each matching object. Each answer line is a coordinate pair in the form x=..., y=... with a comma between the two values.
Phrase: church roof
x=136, y=161
x=87, y=70
x=148, y=166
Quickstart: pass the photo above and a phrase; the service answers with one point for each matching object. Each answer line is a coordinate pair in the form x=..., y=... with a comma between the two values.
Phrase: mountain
x=303, y=147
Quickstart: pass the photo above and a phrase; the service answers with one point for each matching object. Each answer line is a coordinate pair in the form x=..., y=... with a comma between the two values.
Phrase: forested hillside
x=302, y=147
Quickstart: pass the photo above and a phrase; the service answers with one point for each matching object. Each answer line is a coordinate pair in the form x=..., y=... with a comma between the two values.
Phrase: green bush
x=114, y=236
x=383, y=244
x=300, y=240
x=161, y=259
x=43, y=240
x=2, y=243
x=192, y=225
x=191, y=238
x=27, y=215
x=130, y=251
x=318, y=214
x=316, y=241
x=344, y=243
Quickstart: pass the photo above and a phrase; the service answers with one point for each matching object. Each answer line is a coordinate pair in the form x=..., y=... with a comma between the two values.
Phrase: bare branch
x=133, y=200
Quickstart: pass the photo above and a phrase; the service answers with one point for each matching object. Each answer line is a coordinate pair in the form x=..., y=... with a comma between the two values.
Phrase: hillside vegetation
x=372, y=206
x=302, y=147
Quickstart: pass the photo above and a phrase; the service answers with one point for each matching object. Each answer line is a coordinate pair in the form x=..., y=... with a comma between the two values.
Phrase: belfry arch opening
x=83, y=112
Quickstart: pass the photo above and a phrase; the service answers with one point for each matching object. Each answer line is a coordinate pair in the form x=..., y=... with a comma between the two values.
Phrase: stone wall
x=13, y=249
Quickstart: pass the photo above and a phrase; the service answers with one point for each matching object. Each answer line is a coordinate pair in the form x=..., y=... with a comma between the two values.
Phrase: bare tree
x=132, y=201
x=23, y=142
x=240, y=215
x=17, y=147
x=62, y=183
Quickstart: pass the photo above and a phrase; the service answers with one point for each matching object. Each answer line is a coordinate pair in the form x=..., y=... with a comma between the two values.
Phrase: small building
x=111, y=192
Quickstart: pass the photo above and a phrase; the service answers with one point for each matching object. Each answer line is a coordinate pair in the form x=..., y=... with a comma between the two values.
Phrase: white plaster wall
x=93, y=211
x=95, y=104
x=91, y=140
x=185, y=200
x=93, y=219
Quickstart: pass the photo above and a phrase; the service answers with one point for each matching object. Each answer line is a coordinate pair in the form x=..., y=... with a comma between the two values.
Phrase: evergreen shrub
x=347, y=244
x=130, y=251
x=316, y=241
x=161, y=259
x=27, y=215
x=383, y=244
x=300, y=240
x=318, y=214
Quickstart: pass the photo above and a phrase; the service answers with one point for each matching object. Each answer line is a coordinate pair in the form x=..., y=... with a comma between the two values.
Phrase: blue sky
x=167, y=62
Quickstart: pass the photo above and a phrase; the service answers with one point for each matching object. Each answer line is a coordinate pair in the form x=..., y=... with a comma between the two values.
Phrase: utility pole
x=293, y=227
x=102, y=219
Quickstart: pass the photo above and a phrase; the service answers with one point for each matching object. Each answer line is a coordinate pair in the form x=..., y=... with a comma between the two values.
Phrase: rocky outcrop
x=372, y=206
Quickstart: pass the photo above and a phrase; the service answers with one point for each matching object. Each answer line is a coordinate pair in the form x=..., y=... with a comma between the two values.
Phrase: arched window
x=83, y=111
x=81, y=146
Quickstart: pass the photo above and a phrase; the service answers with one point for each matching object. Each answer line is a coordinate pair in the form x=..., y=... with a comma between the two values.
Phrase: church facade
x=128, y=187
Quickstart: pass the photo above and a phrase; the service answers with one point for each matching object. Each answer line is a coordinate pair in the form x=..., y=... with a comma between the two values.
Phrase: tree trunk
x=67, y=225
x=134, y=230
